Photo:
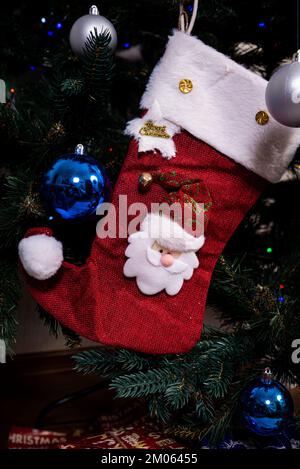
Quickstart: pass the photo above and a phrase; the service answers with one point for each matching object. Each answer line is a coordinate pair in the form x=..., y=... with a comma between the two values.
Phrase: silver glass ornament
x=283, y=94
x=87, y=24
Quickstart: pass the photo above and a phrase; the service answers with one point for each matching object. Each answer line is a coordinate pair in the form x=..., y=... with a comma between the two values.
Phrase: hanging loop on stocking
x=183, y=23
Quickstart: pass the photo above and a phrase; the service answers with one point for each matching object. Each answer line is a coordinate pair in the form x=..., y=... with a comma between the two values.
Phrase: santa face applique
x=163, y=253
x=156, y=265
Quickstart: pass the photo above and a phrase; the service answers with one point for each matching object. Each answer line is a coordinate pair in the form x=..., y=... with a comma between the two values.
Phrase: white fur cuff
x=220, y=109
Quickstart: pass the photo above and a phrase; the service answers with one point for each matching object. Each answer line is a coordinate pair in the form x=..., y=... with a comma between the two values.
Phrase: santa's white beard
x=151, y=276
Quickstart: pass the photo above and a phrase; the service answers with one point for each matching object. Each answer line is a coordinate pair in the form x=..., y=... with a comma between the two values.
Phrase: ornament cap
x=267, y=375
x=79, y=149
x=93, y=10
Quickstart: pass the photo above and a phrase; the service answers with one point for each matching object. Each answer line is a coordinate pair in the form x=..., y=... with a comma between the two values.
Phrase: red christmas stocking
x=205, y=138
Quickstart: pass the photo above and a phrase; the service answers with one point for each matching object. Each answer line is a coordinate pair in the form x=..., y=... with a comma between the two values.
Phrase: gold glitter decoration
x=31, y=207
x=56, y=131
x=152, y=130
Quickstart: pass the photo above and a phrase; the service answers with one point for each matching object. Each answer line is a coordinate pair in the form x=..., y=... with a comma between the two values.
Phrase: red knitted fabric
x=100, y=303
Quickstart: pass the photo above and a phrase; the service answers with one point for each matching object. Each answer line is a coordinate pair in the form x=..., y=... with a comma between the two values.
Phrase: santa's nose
x=167, y=260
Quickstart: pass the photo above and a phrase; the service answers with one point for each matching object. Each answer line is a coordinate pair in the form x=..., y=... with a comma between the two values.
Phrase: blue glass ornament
x=74, y=186
x=267, y=406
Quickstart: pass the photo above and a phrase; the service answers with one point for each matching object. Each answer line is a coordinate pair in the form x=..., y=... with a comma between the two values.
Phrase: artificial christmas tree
x=220, y=139
x=54, y=100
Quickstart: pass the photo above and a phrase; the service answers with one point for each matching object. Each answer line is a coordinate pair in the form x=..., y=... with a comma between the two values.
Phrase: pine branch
x=49, y=321
x=205, y=410
x=55, y=328
x=98, y=66
x=234, y=289
x=158, y=408
x=218, y=381
x=72, y=86
x=19, y=206
x=214, y=431
x=10, y=292
x=178, y=394
x=72, y=340
x=109, y=361
x=142, y=383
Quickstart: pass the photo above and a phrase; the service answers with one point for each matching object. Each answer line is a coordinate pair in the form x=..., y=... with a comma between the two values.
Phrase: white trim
x=221, y=108
x=170, y=234
x=165, y=146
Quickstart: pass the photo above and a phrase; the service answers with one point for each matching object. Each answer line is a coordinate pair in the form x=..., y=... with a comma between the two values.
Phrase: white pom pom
x=41, y=256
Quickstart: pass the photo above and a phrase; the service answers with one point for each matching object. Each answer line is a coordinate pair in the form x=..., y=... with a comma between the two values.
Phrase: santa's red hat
x=179, y=223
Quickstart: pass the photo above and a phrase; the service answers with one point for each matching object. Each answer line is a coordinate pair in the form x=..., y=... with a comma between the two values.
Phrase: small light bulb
x=43, y=20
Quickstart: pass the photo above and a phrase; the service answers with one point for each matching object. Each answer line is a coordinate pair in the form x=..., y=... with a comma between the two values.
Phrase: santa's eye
x=161, y=251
